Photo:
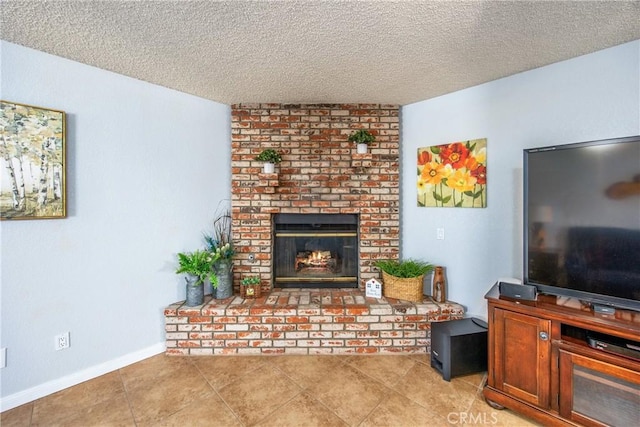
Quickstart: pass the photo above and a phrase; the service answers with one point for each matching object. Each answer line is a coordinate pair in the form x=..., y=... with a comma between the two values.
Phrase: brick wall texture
x=284, y=323
x=320, y=173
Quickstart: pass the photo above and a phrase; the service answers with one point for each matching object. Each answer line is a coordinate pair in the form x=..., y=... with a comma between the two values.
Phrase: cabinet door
x=597, y=393
x=521, y=358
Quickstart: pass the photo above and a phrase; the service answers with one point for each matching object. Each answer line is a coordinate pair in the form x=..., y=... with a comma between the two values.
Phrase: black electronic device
x=582, y=221
x=615, y=345
x=459, y=347
x=517, y=291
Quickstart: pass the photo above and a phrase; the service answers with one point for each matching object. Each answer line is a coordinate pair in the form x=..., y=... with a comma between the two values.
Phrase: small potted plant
x=250, y=287
x=403, y=279
x=362, y=138
x=198, y=267
x=270, y=157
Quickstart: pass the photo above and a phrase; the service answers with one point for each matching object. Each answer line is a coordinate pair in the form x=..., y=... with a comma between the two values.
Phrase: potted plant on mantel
x=403, y=279
x=270, y=157
x=362, y=138
x=198, y=267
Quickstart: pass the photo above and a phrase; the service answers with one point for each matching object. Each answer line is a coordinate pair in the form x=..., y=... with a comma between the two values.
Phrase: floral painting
x=453, y=175
x=32, y=162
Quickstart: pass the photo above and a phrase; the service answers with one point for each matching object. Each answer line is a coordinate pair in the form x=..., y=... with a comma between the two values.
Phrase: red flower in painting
x=480, y=173
x=471, y=164
x=424, y=157
x=454, y=154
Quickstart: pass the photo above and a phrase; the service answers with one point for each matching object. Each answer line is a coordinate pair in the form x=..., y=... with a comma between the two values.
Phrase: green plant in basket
x=250, y=287
x=404, y=269
x=251, y=280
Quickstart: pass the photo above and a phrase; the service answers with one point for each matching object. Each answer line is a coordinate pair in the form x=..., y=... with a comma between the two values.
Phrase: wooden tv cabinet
x=540, y=363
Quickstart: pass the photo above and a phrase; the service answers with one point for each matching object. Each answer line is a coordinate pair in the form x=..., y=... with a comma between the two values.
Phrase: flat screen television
x=582, y=221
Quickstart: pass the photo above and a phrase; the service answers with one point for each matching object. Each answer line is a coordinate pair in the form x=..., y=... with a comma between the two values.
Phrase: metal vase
x=214, y=291
x=195, y=293
x=224, y=272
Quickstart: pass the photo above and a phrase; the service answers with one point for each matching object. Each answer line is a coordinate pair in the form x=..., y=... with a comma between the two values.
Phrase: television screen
x=582, y=220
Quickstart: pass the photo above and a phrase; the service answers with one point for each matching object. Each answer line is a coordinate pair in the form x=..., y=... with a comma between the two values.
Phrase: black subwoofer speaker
x=459, y=347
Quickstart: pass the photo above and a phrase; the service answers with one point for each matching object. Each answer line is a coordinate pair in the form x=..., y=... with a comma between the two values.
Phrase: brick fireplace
x=320, y=174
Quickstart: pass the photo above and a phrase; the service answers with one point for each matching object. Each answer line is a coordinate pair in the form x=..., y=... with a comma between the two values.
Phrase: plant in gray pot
x=198, y=267
x=220, y=245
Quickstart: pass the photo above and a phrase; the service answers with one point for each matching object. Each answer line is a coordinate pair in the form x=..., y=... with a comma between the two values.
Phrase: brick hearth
x=304, y=321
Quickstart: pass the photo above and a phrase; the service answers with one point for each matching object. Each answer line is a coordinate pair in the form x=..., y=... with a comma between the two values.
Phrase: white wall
x=591, y=97
x=146, y=168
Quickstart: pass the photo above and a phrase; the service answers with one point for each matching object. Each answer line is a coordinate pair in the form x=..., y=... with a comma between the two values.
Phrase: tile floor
x=268, y=391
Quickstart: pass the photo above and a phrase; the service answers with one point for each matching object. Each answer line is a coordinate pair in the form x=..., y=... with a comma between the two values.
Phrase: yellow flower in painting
x=461, y=180
x=481, y=156
x=423, y=186
x=434, y=172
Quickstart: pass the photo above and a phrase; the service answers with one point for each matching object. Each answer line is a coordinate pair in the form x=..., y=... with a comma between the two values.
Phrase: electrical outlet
x=3, y=357
x=62, y=341
x=440, y=233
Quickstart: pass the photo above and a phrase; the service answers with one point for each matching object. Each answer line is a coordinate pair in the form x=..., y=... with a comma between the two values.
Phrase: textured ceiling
x=319, y=51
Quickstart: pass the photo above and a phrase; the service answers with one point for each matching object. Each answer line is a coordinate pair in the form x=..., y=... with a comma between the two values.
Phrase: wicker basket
x=409, y=289
x=250, y=291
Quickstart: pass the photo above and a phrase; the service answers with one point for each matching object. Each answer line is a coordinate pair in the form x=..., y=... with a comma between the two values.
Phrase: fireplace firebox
x=315, y=251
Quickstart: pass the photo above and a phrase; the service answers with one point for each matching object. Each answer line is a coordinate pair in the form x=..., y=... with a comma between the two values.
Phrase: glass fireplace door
x=316, y=251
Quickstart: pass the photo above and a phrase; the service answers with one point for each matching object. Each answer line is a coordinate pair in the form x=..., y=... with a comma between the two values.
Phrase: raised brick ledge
x=304, y=321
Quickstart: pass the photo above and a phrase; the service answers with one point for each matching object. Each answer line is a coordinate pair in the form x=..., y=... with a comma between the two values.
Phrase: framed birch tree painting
x=32, y=161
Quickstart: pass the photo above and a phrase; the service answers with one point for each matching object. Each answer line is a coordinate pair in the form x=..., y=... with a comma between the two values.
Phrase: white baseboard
x=33, y=393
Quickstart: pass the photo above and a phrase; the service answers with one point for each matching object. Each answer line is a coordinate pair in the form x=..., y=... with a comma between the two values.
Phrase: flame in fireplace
x=319, y=255
x=315, y=259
